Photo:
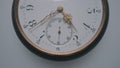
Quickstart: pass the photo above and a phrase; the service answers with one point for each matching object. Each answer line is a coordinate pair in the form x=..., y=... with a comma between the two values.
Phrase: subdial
x=58, y=32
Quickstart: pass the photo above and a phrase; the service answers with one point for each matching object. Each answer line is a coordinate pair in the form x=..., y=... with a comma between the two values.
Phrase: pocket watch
x=60, y=29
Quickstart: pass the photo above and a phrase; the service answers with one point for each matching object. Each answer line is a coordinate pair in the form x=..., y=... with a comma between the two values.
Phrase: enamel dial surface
x=59, y=27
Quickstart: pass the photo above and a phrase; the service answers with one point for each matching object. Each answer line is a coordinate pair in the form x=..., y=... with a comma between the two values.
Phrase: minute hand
x=52, y=14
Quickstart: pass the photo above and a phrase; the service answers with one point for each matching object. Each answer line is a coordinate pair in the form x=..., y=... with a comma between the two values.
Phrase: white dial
x=60, y=27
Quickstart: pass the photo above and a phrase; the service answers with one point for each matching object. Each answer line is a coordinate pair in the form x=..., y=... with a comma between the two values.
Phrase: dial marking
x=42, y=36
x=88, y=26
x=38, y=41
x=58, y=48
x=29, y=7
x=76, y=37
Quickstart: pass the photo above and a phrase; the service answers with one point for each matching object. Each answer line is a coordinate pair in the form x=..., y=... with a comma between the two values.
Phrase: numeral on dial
x=58, y=48
x=28, y=7
x=93, y=11
x=32, y=23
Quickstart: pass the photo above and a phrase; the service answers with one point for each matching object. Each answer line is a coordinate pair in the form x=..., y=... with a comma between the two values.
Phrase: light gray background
x=14, y=55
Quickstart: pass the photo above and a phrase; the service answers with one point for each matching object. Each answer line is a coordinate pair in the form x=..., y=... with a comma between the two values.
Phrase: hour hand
x=68, y=19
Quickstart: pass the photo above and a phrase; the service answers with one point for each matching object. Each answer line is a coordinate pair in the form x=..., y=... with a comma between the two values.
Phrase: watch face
x=59, y=28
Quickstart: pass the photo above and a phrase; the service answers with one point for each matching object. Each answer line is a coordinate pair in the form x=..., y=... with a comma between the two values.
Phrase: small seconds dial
x=59, y=28
x=58, y=32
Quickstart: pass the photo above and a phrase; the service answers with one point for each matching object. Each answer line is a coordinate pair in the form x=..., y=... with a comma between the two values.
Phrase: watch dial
x=60, y=26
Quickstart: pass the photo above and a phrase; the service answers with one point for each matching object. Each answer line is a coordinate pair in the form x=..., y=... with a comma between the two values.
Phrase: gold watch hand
x=68, y=19
x=52, y=14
